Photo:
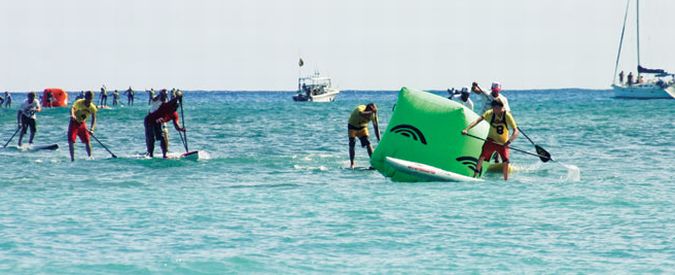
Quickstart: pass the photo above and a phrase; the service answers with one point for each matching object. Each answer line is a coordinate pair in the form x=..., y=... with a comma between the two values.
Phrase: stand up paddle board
x=426, y=171
x=193, y=155
x=39, y=147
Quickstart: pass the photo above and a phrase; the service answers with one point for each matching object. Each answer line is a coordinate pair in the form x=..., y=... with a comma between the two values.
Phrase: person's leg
x=88, y=148
x=352, y=144
x=164, y=142
x=505, y=170
x=71, y=140
x=24, y=127
x=71, y=149
x=479, y=167
x=33, y=129
x=149, y=139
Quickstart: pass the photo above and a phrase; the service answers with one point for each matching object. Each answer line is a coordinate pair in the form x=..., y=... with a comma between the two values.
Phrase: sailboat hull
x=644, y=91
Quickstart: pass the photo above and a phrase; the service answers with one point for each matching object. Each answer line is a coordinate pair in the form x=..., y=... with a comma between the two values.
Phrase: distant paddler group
x=163, y=109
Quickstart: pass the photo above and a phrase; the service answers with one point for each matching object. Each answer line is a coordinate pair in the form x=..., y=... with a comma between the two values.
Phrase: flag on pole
x=300, y=63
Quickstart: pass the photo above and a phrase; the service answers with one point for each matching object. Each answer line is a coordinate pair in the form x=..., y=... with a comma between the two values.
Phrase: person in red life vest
x=82, y=108
x=155, y=122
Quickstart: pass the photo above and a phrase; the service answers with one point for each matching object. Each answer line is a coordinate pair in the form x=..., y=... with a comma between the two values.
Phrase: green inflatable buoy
x=427, y=129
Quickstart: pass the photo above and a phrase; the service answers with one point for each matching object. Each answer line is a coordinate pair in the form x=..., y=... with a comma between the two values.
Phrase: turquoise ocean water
x=272, y=194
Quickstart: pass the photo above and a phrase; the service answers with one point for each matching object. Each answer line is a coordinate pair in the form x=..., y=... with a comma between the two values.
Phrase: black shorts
x=27, y=122
x=363, y=139
x=155, y=131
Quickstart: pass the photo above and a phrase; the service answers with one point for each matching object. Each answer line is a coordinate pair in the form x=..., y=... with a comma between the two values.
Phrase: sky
x=360, y=44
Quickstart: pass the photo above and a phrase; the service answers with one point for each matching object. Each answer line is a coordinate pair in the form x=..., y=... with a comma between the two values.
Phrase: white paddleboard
x=426, y=171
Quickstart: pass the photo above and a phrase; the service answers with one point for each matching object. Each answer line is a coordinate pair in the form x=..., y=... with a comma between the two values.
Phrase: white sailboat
x=657, y=86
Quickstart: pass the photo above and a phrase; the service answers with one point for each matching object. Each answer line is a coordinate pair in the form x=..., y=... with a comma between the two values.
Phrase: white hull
x=426, y=172
x=329, y=96
x=644, y=91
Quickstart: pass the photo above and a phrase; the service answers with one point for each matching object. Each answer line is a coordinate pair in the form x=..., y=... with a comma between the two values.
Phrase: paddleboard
x=497, y=168
x=39, y=147
x=192, y=155
x=426, y=171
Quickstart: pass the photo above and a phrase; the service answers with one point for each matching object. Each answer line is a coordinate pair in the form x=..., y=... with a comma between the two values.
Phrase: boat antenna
x=623, y=30
x=638, y=37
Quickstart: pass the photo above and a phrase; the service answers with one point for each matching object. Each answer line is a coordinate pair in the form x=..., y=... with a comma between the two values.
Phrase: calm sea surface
x=271, y=194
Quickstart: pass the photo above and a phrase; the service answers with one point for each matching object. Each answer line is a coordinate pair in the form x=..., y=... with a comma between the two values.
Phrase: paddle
x=182, y=117
x=545, y=156
x=104, y=147
x=10, y=139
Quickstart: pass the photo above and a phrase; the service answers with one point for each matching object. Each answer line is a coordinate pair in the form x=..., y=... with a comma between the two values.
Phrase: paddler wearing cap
x=463, y=97
x=495, y=92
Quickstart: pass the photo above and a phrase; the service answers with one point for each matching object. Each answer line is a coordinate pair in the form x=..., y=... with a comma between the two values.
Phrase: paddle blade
x=544, y=155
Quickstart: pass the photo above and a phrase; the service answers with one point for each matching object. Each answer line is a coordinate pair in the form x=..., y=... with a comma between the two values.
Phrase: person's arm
x=511, y=122
x=376, y=127
x=72, y=113
x=39, y=107
x=93, y=122
x=177, y=125
x=473, y=124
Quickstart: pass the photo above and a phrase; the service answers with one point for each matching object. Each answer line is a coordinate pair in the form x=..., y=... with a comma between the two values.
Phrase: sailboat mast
x=623, y=31
x=638, y=36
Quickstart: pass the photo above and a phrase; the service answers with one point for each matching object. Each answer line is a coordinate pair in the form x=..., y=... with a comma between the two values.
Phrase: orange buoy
x=54, y=97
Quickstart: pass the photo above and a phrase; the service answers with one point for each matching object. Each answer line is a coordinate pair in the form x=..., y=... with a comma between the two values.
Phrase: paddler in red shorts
x=155, y=122
x=498, y=137
x=82, y=108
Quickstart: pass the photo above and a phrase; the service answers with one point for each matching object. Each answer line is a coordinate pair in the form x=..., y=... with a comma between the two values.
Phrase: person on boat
x=357, y=126
x=464, y=98
x=77, y=127
x=629, y=79
x=641, y=79
x=25, y=117
x=130, y=96
x=495, y=92
x=161, y=112
x=80, y=96
x=498, y=139
x=621, y=77
x=2, y=101
x=104, y=97
x=8, y=100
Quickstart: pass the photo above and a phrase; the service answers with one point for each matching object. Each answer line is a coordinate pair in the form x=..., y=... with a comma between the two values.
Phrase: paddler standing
x=495, y=92
x=26, y=117
x=160, y=113
x=358, y=127
x=82, y=108
x=498, y=137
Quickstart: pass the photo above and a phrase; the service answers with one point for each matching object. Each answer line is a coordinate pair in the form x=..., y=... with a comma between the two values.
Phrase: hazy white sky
x=378, y=44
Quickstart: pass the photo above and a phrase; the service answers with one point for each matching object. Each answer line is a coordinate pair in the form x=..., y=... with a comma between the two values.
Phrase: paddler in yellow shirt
x=82, y=108
x=498, y=137
x=358, y=127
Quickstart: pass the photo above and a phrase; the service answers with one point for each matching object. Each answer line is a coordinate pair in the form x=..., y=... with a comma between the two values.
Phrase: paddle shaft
x=10, y=139
x=528, y=138
x=182, y=117
x=104, y=147
x=515, y=149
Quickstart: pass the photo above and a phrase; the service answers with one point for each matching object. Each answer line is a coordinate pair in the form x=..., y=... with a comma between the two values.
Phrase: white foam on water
x=573, y=172
x=204, y=155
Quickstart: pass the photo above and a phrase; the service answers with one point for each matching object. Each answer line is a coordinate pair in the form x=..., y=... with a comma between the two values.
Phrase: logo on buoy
x=470, y=162
x=409, y=131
